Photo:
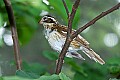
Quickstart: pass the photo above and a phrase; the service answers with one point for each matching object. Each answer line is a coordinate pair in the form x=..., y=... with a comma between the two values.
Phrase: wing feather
x=63, y=31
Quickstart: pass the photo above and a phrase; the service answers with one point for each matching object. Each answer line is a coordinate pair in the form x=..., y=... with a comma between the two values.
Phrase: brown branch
x=66, y=8
x=61, y=56
x=14, y=33
x=71, y=17
x=95, y=19
x=68, y=39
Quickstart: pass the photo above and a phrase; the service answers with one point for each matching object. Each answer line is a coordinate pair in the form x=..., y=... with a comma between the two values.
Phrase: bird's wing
x=82, y=40
x=63, y=31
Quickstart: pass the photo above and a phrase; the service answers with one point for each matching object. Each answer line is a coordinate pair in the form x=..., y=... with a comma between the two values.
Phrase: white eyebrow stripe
x=52, y=18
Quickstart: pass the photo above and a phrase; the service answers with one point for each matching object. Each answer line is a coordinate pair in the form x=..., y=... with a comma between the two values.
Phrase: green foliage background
x=39, y=58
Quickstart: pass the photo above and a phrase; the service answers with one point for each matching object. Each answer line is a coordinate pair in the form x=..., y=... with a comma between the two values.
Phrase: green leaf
x=27, y=77
x=15, y=78
x=114, y=69
x=63, y=76
x=52, y=77
x=35, y=68
x=26, y=74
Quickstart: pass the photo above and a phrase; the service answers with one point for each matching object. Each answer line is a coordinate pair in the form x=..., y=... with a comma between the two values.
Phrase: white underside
x=56, y=40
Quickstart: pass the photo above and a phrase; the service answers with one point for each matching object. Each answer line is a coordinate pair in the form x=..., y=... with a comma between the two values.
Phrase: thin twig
x=72, y=15
x=95, y=19
x=68, y=39
x=66, y=8
x=14, y=33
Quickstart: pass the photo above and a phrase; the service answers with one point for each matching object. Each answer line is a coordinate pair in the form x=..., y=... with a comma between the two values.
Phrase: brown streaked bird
x=56, y=33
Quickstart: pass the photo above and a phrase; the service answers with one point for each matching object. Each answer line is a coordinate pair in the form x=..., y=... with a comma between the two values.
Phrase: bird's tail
x=92, y=55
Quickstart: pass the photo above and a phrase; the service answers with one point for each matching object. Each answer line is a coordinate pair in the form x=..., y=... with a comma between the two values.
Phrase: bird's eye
x=45, y=18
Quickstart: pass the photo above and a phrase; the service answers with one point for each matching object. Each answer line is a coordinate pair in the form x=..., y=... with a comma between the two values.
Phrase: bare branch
x=14, y=33
x=66, y=8
x=68, y=39
x=95, y=19
x=61, y=56
x=71, y=17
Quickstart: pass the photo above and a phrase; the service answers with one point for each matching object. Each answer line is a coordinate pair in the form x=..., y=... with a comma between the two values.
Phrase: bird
x=56, y=34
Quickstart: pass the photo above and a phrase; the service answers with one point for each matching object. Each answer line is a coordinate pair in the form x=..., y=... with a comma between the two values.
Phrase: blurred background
x=36, y=53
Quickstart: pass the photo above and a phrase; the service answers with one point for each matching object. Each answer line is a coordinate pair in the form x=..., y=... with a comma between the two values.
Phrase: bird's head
x=47, y=19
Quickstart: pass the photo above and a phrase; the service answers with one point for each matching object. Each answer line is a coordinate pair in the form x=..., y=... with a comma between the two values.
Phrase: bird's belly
x=56, y=41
